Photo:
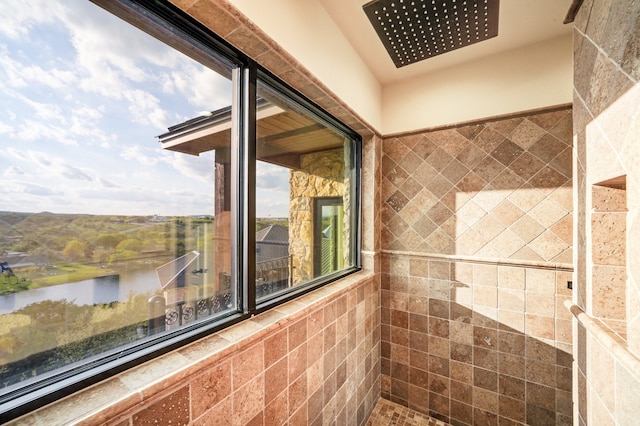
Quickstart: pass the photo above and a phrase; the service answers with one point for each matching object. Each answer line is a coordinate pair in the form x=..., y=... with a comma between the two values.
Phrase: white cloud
x=272, y=177
x=44, y=165
x=18, y=16
x=137, y=153
x=5, y=128
x=31, y=130
x=204, y=88
x=106, y=183
x=96, y=81
x=13, y=171
x=200, y=168
x=85, y=125
x=48, y=112
x=145, y=109
x=13, y=188
x=71, y=172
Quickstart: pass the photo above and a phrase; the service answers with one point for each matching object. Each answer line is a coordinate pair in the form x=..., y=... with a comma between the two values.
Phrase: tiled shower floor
x=387, y=413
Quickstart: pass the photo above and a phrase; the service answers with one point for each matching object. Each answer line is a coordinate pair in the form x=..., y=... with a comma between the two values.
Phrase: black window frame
x=175, y=28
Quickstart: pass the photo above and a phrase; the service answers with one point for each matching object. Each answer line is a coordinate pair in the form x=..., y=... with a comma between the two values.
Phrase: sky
x=83, y=96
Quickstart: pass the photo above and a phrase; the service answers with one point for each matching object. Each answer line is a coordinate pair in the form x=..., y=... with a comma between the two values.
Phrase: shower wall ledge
x=490, y=261
x=608, y=339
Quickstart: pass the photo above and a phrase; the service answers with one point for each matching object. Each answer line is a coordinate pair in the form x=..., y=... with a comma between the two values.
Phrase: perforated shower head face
x=414, y=30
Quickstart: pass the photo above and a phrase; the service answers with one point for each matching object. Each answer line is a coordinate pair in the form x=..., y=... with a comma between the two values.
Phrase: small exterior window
x=149, y=195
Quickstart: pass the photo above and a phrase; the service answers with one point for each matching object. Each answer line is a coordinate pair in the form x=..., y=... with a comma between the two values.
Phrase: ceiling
x=522, y=23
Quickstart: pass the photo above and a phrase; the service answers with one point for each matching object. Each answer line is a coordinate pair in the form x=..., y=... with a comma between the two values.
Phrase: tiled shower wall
x=312, y=361
x=477, y=243
x=607, y=175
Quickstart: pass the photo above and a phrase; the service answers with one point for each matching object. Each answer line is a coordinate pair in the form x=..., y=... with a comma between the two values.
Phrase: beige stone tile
x=511, y=277
x=461, y=332
x=608, y=199
x=607, y=163
x=507, y=213
x=528, y=254
x=505, y=127
x=608, y=289
x=540, y=326
x=564, y=229
x=607, y=250
x=489, y=227
x=540, y=280
x=507, y=243
x=489, y=138
x=511, y=299
x=548, y=245
x=563, y=163
x=511, y=320
x=450, y=141
x=485, y=274
x=627, y=395
x=526, y=198
x=564, y=197
x=540, y=304
x=598, y=413
x=490, y=197
x=548, y=213
x=526, y=134
x=527, y=228
x=547, y=148
x=563, y=331
x=471, y=156
x=485, y=296
x=439, y=159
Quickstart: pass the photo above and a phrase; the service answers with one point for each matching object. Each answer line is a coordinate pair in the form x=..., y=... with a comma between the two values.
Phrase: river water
x=112, y=288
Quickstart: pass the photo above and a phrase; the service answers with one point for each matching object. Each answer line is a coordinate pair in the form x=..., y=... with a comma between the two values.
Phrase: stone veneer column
x=321, y=174
x=607, y=238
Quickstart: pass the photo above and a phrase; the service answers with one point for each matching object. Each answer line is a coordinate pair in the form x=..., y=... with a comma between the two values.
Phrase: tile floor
x=387, y=413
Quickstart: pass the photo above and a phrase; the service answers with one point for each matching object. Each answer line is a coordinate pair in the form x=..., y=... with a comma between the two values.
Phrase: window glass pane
x=109, y=234
x=300, y=161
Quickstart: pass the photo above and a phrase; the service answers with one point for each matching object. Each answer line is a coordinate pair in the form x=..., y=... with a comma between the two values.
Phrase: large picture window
x=149, y=195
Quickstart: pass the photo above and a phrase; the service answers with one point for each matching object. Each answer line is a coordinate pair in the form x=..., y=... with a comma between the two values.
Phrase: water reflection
x=100, y=290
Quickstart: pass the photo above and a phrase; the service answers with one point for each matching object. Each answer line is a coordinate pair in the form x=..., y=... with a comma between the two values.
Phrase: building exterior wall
x=607, y=154
x=321, y=174
x=477, y=252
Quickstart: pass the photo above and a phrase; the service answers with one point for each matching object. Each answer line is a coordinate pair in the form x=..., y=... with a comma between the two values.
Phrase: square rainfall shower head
x=414, y=30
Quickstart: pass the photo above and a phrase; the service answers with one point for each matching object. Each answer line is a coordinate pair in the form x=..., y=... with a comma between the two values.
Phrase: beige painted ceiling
x=522, y=23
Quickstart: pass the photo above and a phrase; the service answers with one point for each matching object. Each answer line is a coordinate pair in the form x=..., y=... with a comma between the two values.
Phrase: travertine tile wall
x=607, y=175
x=312, y=361
x=496, y=190
x=477, y=243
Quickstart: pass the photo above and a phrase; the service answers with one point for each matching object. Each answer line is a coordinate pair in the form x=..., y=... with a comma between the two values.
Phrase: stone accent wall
x=495, y=190
x=477, y=236
x=607, y=175
x=321, y=174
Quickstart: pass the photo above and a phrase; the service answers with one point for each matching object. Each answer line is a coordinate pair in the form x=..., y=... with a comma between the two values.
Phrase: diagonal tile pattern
x=496, y=189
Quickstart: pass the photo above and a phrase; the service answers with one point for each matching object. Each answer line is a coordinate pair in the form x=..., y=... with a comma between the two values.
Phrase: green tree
x=131, y=244
x=110, y=241
x=74, y=250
